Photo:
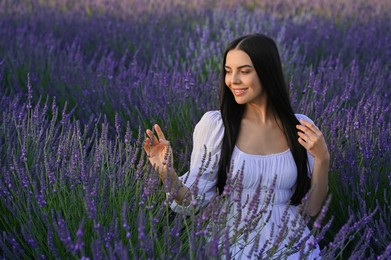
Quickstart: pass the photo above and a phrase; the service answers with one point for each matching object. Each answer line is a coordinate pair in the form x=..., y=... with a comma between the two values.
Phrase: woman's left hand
x=311, y=138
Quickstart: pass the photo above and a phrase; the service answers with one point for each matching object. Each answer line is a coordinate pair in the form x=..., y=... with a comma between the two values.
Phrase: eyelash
x=243, y=72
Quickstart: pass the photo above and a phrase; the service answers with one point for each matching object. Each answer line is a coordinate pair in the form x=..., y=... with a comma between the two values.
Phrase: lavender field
x=81, y=80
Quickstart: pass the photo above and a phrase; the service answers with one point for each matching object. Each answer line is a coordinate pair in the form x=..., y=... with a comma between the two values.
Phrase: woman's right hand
x=159, y=152
x=160, y=156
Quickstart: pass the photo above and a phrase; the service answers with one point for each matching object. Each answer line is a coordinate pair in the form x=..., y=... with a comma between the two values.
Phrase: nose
x=235, y=78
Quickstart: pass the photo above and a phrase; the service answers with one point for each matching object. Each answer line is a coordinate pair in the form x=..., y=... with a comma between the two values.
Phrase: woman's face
x=242, y=79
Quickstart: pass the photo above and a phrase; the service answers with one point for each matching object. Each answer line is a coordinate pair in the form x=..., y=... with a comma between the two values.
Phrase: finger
x=309, y=125
x=303, y=136
x=148, y=150
x=149, y=133
x=165, y=142
x=309, y=139
x=303, y=143
x=305, y=130
x=159, y=132
x=152, y=136
x=147, y=146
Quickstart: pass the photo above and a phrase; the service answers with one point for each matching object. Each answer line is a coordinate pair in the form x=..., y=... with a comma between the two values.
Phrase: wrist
x=173, y=182
x=323, y=160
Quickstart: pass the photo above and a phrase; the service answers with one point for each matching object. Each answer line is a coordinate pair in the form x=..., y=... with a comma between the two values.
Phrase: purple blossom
x=63, y=232
x=141, y=229
x=28, y=238
x=92, y=58
x=79, y=244
x=23, y=156
x=386, y=254
x=29, y=92
x=90, y=207
x=322, y=214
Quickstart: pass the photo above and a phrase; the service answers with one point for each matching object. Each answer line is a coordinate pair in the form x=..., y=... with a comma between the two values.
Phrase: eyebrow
x=240, y=67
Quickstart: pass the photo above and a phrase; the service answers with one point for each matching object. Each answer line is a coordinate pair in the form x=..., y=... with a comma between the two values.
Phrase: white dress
x=258, y=170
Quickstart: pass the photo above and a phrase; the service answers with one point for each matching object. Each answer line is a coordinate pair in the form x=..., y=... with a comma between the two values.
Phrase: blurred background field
x=80, y=81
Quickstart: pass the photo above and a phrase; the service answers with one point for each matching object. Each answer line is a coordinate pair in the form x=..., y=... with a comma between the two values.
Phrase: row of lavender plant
x=134, y=69
x=357, y=126
x=126, y=62
x=337, y=64
x=70, y=192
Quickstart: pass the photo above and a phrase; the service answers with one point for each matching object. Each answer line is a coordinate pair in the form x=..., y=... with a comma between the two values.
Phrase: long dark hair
x=265, y=57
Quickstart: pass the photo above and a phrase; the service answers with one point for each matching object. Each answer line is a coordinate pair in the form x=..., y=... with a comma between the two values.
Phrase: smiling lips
x=239, y=91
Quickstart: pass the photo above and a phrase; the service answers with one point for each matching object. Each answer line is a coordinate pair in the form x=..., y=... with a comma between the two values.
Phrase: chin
x=240, y=102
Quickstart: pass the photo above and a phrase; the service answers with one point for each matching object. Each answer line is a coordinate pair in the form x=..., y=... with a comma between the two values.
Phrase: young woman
x=256, y=125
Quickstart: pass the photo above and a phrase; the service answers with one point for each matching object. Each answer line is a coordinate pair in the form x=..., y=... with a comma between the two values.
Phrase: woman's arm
x=199, y=183
x=160, y=156
x=319, y=185
x=181, y=191
x=311, y=138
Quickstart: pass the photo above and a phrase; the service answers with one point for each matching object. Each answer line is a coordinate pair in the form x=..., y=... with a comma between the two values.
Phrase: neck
x=260, y=113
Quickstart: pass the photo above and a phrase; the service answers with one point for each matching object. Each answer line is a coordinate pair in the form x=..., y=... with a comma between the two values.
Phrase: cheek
x=227, y=81
x=257, y=83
